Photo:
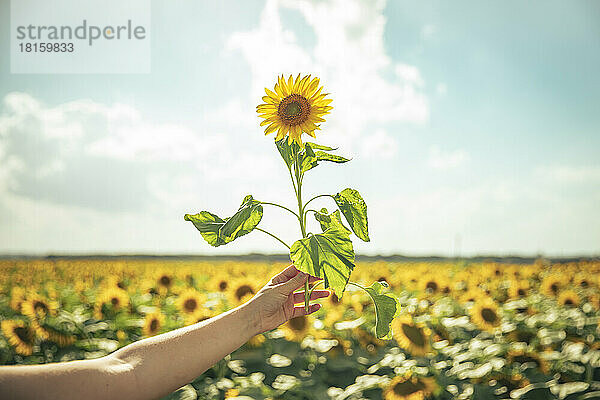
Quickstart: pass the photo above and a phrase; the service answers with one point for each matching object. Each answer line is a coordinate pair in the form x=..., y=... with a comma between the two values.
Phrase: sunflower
x=527, y=357
x=431, y=284
x=297, y=328
x=189, y=301
x=368, y=341
x=152, y=324
x=518, y=289
x=410, y=336
x=471, y=295
x=409, y=387
x=164, y=281
x=295, y=106
x=61, y=339
x=582, y=280
x=551, y=285
x=568, y=298
x=241, y=291
x=485, y=314
x=112, y=298
x=36, y=307
x=202, y=314
x=19, y=335
x=17, y=297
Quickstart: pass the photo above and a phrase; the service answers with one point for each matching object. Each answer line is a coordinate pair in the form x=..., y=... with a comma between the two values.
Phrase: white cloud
x=350, y=58
x=379, y=145
x=439, y=159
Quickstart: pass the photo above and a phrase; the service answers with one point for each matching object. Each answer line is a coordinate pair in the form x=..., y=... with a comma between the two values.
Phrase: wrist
x=251, y=315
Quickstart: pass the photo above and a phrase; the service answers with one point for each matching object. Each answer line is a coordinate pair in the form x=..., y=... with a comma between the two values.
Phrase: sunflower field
x=466, y=330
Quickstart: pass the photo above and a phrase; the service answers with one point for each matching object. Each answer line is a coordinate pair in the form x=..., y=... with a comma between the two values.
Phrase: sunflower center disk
x=406, y=388
x=293, y=110
x=414, y=334
x=489, y=315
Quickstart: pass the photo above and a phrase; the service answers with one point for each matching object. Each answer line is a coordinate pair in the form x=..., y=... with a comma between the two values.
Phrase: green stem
x=316, y=197
x=298, y=188
x=273, y=236
x=280, y=206
x=313, y=288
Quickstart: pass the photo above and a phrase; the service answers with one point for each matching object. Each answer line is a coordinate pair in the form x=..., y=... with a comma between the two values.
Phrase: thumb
x=294, y=283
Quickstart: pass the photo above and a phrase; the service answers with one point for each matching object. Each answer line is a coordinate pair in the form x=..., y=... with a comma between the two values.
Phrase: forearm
x=147, y=369
x=163, y=363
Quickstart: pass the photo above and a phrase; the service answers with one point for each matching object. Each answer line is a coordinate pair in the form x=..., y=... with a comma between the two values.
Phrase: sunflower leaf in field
x=217, y=231
x=387, y=306
x=354, y=208
x=328, y=255
x=322, y=156
x=330, y=220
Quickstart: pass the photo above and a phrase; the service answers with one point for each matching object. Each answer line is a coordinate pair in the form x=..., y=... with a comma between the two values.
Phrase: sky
x=473, y=128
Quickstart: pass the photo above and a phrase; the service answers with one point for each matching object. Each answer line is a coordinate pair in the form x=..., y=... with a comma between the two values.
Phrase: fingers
x=285, y=275
x=316, y=294
x=299, y=311
x=294, y=283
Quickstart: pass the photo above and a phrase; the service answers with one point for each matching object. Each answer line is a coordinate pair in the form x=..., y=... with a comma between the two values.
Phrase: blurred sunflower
x=368, y=341
x=297, y=328
x=17, y=297
x=410, y=387
x=36, y=307
x=430, y=284
x=256, y=340
x=551, y=285
x=153, y=324
x=164, y=281
x=219, y=282
x=295, y=106
x=485, y=314
x=241, y=290
x=582, y=280
x=202, y=314
x=568, y=298
x=113, y=298
x=518, y=289
x=414, y=338
x=19, y=335
x=60, y=338
x=189, y=301
x=527, y=357
x=472, y=295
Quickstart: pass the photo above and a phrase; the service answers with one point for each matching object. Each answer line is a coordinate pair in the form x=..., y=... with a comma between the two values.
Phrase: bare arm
x=154, y=367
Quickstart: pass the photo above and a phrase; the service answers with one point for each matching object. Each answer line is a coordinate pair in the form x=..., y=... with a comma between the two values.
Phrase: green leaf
x=354, y=208
x=208, y=224
x=286, y=151
x=322, y=156
x=217, y=231
x=330, y=220
x=328, y=255
x=315, y=146
x=387, y=307
x=308, y=159
x=243, y=221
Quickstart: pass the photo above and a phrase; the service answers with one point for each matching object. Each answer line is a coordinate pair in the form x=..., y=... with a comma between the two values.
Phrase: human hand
x=274, y=304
